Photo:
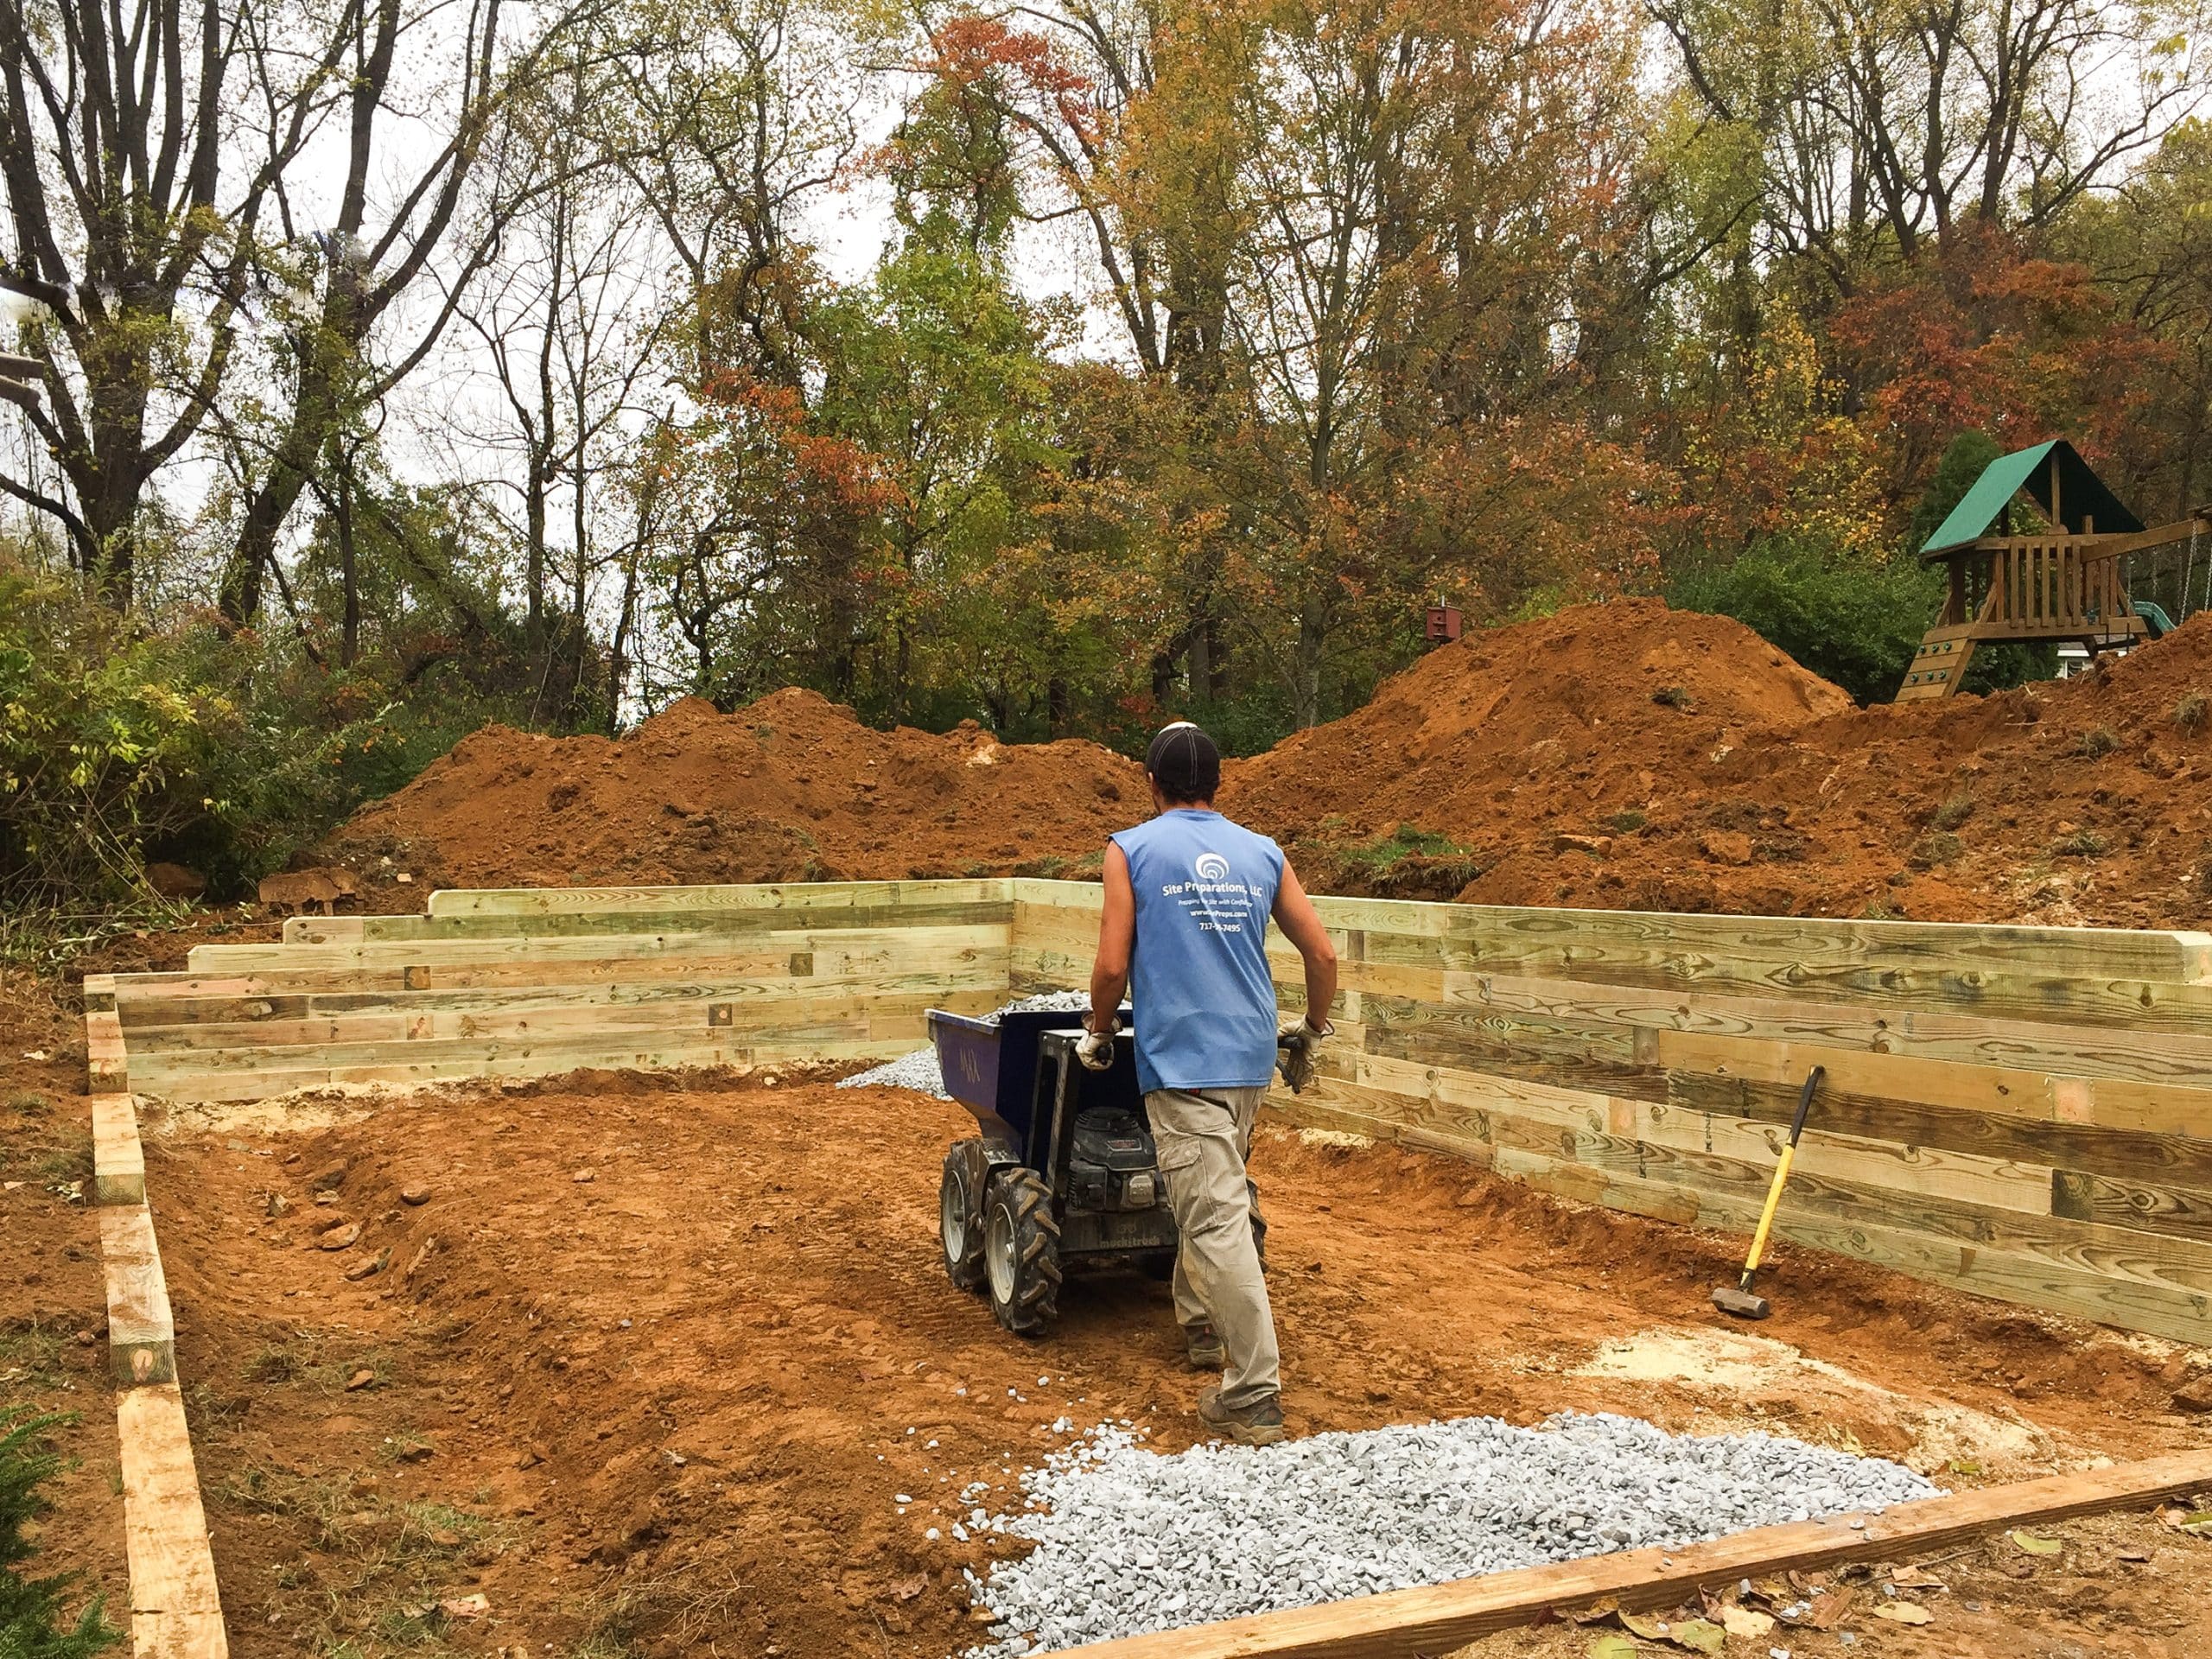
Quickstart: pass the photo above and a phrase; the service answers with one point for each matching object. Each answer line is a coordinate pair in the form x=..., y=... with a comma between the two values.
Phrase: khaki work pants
x=1204, y=1138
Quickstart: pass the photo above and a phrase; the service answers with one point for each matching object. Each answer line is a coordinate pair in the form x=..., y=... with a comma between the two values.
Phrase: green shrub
x=2096, y=742
x=228, y=753
x=32, y=1624
x=2190, y=712
x=2080, y=843
x=1854, y=621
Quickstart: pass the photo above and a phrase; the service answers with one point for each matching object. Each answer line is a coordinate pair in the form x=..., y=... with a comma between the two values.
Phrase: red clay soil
x=792, y=788
x=53, y=1357
x=1615, y=756
x=651, y=1362
x=1627, y=756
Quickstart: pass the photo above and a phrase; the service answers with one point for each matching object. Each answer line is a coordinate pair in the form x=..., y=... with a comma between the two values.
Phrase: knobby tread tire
x=1036, y=1301
x=966, y=1271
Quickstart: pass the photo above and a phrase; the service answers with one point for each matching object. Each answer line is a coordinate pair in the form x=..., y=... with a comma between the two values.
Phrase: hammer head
x=1744, y=1304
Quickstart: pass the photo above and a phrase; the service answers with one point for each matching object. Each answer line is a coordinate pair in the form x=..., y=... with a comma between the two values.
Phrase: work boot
x=1207, y=1351
x=1257, y=1424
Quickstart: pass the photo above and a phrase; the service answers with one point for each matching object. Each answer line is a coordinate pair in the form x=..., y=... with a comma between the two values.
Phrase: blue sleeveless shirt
x=1204, y=1000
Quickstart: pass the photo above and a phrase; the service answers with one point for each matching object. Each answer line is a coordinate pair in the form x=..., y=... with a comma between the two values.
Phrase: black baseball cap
x=1184, y=762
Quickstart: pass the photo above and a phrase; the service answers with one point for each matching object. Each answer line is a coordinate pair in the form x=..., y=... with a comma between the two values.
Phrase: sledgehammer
x=1739, y=1298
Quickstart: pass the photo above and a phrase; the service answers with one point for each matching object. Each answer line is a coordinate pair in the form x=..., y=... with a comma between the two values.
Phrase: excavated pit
x=654, y=1361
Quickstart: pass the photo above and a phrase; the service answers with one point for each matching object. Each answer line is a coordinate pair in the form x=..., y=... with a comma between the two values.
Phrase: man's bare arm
x=1294, y=914
x=1117, y=934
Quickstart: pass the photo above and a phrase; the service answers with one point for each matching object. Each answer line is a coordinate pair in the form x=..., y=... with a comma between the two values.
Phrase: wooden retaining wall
x=533, y=984
x=2024, y=1113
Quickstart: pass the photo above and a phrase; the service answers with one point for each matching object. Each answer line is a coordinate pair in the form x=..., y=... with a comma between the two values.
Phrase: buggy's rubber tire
x=960, y=1221
x=1021, y=1251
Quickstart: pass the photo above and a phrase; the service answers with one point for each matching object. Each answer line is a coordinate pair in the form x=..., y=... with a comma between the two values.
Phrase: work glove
x=1300, y=1043
x=1096, y=1048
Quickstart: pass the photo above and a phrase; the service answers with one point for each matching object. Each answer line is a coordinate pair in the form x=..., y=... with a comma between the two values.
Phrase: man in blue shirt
x=1188, y=896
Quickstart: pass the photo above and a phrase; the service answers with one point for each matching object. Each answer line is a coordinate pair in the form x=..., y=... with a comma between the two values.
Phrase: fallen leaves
x=1743, y=1621
x=1905, y=1613
x=2034, y=1545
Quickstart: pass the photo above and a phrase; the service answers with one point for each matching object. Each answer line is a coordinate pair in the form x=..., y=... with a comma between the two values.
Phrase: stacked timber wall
x=535, y=982
x=2024, y=1113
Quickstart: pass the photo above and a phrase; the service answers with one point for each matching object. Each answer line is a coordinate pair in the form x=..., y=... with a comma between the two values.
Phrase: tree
x=138, y=158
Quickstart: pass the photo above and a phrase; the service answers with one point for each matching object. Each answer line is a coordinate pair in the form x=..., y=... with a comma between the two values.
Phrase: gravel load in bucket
x=919, y=1071
x=1130, y=1541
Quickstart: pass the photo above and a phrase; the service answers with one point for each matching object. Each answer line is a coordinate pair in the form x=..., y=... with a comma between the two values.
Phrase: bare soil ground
x=53, y=1298
x=651, y=1364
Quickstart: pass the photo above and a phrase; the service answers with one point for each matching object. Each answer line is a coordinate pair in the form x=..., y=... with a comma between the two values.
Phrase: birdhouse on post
x=1443, y=624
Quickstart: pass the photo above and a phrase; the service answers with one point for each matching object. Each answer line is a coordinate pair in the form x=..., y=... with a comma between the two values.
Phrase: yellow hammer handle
x=1766, y=1216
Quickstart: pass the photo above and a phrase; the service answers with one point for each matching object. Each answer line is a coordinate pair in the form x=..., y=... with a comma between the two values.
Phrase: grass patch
x=1956, y=809
x=2191, y=713
x=1939, y=847
x=390, y=1564
x=69, y=1158
x=1409, y=862
x=30, y=1359
x=2095, y=743
x=1672, y=696
x=1879, y=910
x=2080, y=843
x=1627, y=821
x=313, y=1359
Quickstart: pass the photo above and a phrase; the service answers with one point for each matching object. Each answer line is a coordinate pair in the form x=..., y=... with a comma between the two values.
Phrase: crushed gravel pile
x=1130, y=1541
x=919, y=1071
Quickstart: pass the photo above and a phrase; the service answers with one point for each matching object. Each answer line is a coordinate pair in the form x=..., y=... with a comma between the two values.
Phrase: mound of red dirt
x=1618, y=756
x=792, y=788
x=1628, y=756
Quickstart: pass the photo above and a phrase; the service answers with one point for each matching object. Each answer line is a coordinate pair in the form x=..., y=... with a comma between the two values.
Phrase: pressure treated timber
x=1406, y=1622
x=141, y=1334
x=118, y=1161
x=789, y=895
x=2023, y=1112
x=175, y=1609
x=2115, y=953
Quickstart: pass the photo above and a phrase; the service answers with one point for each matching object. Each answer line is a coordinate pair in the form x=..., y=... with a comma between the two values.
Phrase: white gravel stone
x=1129, y=1541
x=919, y=1071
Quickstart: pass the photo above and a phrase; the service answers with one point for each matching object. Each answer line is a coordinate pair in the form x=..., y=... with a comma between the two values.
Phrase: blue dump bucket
x=990, y=1067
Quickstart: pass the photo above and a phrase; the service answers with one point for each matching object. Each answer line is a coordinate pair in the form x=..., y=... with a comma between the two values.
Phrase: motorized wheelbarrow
x=1064, y=1173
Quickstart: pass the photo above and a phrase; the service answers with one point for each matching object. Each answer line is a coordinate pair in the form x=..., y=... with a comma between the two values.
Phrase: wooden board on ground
x=141, y=1334
x=118, y=1161
x=175, y=1609
x=1407, y=1623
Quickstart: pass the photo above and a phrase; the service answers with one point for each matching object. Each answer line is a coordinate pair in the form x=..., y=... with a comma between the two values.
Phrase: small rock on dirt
x=585, y=1176
x=415, y=1193
x=1727, y=847
x=276, y=1204
x=360, y=1379
x=85, y=1338
x=373, y=1266
x=328, y=1180
x=340, y=1237
x=2195, y=1395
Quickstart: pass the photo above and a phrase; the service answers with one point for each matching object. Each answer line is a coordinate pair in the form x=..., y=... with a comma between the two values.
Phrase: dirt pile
x=1618, y=756
x=1631, y=757
x=792, y=788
